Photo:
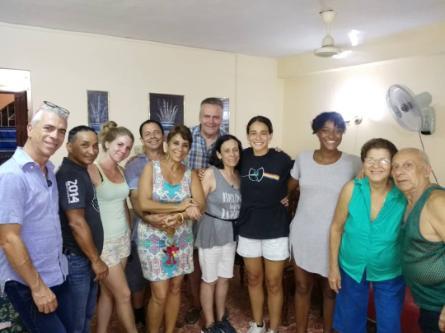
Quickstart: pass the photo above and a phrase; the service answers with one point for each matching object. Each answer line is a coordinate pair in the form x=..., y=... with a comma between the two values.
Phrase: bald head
x=415, y=153
x=411, y=170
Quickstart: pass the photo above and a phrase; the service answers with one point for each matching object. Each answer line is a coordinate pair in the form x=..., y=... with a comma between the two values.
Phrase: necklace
x=230, y=179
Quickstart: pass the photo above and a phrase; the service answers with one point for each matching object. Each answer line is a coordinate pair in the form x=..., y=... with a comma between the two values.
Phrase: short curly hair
x=378, y=143
x=183, y=131
x=320, y=120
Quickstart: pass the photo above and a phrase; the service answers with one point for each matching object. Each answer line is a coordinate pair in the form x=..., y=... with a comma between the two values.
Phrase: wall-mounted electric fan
x=412, y=112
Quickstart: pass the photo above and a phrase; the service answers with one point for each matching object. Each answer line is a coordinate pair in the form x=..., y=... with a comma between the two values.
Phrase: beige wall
x=63, y=65
x=259, y=92
x=362, y=90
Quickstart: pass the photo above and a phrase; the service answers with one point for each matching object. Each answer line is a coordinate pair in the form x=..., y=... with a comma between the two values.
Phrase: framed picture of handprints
x=167, y=109
x=97, y=108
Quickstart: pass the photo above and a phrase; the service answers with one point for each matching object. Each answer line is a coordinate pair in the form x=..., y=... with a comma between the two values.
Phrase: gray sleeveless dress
x=320, y=186
x=223, y=204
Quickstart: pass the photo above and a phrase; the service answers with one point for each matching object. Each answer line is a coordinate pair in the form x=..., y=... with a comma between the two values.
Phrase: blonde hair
x=110, y=131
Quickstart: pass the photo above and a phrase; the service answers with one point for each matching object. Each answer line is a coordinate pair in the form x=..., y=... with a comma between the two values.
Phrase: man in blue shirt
x=151, y=136
x=32, y=266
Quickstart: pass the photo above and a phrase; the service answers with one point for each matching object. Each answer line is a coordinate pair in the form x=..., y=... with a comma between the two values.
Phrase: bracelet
x=182, y=218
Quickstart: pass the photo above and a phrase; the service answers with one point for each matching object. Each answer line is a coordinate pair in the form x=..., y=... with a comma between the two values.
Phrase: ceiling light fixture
x=355, y=37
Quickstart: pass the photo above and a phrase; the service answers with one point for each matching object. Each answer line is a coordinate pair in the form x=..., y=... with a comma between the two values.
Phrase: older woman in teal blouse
x=365, y=245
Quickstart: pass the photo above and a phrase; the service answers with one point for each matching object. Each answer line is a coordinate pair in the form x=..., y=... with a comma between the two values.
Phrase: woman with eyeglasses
x=365, y=245
x=165, y=248
x=112, y=191
x=320, y=174
x=263, y=225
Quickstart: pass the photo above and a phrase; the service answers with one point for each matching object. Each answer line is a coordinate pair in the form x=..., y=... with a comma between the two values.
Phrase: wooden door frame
x=21, y=115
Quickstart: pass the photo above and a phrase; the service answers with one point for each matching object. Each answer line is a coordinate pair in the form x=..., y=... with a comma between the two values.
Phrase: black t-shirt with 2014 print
x=76, y=191
x=263, y=186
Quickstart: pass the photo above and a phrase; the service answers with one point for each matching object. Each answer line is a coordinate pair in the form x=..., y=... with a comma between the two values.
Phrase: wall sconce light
x=357, y=120
x=352, y=119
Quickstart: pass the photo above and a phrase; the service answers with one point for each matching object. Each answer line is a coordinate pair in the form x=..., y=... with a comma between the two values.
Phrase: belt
x=68, y=252
x=219, y=218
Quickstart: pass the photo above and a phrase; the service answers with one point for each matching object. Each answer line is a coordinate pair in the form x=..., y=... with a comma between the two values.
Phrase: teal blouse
x=374, y=246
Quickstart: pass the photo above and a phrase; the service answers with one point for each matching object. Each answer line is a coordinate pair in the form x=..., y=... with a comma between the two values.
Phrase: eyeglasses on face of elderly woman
x=382, y=162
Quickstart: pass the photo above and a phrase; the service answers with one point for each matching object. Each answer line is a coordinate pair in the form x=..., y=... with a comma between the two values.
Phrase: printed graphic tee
x=263, y=186
x=76, y=191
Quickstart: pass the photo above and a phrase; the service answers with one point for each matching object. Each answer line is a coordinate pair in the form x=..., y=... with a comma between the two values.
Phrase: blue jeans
x=81, y=293
x=351, y=304
x=35, y=321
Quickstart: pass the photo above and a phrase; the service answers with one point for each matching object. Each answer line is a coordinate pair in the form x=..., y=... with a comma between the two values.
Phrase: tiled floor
x=239, y=313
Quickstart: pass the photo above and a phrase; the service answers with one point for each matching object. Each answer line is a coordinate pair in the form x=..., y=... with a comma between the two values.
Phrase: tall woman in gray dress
x=320, y=174
x=215, y=242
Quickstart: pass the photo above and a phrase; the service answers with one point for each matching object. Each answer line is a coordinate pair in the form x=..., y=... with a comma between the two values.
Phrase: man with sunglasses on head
x=32, y=266
x=82, y=229
x=423, y=236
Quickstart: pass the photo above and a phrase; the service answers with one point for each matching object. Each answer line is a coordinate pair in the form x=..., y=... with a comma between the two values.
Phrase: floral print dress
x=164, y=255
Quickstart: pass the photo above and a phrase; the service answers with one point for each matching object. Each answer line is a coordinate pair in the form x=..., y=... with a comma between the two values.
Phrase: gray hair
x=49, y=107
x=420, y=153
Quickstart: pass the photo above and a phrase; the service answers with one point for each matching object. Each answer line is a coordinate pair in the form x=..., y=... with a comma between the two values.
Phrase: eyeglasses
x=383, y=162
x=51, y=106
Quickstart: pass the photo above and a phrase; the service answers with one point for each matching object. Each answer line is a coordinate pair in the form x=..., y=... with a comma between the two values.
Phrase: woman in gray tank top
x=215, y=241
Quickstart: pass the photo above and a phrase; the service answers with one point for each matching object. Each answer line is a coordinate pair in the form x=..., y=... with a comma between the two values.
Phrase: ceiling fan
x=328, y=48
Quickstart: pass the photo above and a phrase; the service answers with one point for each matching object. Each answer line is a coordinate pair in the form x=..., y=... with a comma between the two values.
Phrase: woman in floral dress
x=173, y=193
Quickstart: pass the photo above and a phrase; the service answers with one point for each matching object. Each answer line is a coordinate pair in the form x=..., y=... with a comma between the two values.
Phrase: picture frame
x=168, y=109
x=97, y=102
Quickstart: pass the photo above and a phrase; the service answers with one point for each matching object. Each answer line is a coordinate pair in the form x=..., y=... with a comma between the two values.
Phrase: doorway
x=14, y=99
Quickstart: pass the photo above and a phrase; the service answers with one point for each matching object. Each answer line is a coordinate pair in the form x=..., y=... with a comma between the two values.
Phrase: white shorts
x=275, y=249
x=217, y=262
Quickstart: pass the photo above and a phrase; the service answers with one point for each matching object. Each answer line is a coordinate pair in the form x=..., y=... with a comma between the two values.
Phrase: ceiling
x=272, y=28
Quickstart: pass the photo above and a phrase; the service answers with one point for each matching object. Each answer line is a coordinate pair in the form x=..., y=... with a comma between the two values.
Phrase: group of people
x=199, y=199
